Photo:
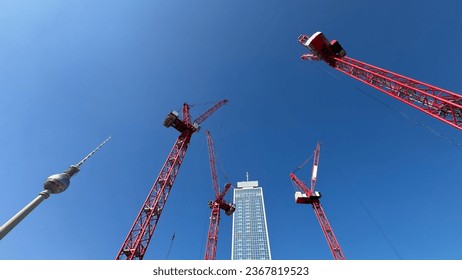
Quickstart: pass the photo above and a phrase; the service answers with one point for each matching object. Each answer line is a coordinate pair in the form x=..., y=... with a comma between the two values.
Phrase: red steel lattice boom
x=310, y=196
x=139, y=236
x=439, y=103
x=216, y=205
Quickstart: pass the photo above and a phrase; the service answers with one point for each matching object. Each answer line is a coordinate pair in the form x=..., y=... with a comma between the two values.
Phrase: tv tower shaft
x=56, y=183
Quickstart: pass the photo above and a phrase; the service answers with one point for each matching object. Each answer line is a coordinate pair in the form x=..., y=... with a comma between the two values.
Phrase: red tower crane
x=310, y=196
x=215, y=205
x=441, y=104
x=139, y=236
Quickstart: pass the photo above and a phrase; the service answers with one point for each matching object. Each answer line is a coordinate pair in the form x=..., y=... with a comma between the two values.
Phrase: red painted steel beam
x=212, y=236
x=213, y=168
x=216, y=205
x=439, y=103
x=334, y=246
x=210, y=111
x=139, y=236
x=314, y=171
x=300, y=184
x=312, y=197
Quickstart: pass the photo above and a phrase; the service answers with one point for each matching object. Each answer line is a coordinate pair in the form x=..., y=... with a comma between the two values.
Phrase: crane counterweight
x=171, y=118
x=302, y=198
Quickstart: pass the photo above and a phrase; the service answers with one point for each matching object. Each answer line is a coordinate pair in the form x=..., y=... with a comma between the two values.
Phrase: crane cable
x=303, y=164
x=220, y=163
x=368, y=212
x=404, y=115
x=415, y=121
x=298, y=168
x=170, y=248
x=363, y=205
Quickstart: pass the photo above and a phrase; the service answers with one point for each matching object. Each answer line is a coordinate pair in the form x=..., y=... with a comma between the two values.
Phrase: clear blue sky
x=74, y=72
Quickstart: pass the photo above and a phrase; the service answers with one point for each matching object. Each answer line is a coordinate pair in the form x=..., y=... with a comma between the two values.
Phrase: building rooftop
x=247, y=184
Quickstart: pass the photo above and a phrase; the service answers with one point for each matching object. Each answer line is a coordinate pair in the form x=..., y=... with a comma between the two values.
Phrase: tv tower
x=56, y=183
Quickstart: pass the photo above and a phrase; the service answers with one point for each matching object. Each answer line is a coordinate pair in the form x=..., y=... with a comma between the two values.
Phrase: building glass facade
x=250, y=239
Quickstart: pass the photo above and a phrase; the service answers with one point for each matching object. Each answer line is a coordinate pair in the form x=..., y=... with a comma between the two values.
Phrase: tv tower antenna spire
x=56, y=183
x=92, y=152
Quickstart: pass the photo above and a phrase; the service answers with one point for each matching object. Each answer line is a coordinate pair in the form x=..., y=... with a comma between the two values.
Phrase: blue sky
x=72, y=73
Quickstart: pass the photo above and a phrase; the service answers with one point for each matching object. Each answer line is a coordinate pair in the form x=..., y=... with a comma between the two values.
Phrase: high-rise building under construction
x=250, y=239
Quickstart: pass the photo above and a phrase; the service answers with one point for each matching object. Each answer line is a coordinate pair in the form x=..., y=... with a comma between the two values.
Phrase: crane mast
x=310, y=196
x=139, y=236
x=439, y=103
x=218, y=204
x=213, y=166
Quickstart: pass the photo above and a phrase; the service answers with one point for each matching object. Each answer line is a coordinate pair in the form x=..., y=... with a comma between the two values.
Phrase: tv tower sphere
x=56, y=183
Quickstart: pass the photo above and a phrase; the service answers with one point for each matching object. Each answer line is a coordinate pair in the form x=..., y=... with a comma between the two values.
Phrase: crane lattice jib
x=139, y=236
x=212, y=236
x=327, y=230
x=213, y=168
x=322, y=218
x=223, y=192
x=439, y=103
x=210, y=111
x=300, y=185
x=314, y=173
x=137, y=240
